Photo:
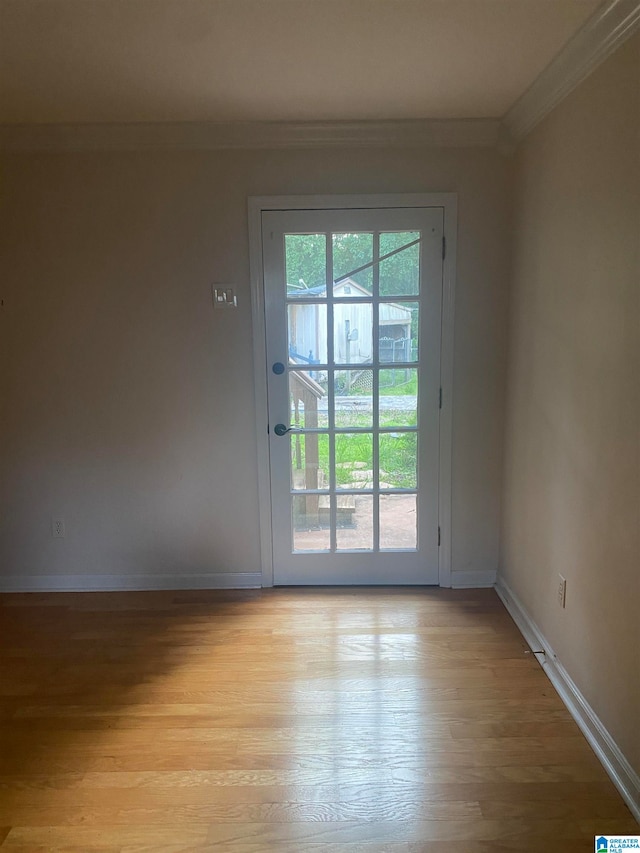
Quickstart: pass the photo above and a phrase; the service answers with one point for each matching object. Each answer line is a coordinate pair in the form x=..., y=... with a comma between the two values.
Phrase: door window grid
x=335, y=492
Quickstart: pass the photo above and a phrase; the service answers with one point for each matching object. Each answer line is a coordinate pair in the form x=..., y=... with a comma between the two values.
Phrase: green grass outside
x=354, y=454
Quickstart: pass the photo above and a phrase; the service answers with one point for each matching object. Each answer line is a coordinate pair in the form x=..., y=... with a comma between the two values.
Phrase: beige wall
x=572, y=463
x=127, y=403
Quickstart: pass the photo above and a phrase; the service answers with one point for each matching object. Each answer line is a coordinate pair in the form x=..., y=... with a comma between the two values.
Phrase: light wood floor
x=336, y=721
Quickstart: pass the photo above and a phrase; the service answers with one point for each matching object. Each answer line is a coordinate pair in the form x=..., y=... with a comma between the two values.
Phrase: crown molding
x=611, y=25
x=446, y=133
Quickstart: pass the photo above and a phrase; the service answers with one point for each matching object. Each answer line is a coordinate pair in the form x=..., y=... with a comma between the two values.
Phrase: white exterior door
x=353, y=323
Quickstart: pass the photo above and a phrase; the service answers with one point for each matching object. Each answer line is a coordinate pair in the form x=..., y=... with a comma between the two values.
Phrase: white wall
x=572, y=458
x=127, y=403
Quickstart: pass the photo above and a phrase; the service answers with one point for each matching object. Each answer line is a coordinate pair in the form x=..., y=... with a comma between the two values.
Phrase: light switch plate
x=224, y=296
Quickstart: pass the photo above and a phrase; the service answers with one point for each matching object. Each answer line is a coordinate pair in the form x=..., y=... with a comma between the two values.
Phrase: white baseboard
x=614, y=762
x=472, y=580
x=116, y=583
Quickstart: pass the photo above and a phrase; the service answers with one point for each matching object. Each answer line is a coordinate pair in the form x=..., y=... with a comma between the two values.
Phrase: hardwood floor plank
x=166, y=814
x=514, y=728
x=420, y=800
x=274, y=836
x=564, y=845
x=548, y=774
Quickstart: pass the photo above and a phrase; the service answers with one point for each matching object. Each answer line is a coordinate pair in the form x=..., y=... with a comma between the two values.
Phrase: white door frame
x=257, y=204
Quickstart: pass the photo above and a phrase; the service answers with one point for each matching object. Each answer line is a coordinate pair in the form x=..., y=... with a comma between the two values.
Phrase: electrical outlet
x=57, y=528
x=562, y=591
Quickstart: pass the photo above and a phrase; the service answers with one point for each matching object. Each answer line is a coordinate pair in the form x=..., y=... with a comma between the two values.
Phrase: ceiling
x=95, y=61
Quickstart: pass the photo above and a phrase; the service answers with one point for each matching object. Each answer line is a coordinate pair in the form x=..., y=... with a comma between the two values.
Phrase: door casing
x=259, y=204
